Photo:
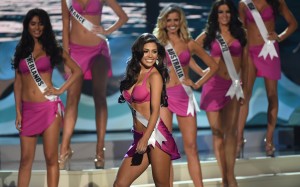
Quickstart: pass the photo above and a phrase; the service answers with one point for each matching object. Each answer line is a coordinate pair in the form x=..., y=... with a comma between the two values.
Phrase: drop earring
x=157, y=62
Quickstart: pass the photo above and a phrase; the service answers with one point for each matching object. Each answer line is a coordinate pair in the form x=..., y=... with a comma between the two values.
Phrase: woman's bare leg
x=99, y=74
x=229, y=116
x=160, y=164
x=28, y=146
x=70, y=116
x=244, y=109
x=167, y=117
x=50, y=143
x=272, y=94
x=127, y=173
x=188, y=128
x=214, y=119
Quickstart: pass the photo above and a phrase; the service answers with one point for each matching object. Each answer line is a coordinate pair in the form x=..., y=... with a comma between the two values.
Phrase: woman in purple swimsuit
x=144, y=89
x=92, y=54
x=172, y=29
x=39, y=111
x=222, y=111
x=268, y=68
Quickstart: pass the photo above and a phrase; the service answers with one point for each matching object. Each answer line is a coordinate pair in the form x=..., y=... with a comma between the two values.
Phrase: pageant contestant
x=38, y=107
x=144, y=89
x=87, y=44
x=259, y=18
x=222, y=95
x=172, y=31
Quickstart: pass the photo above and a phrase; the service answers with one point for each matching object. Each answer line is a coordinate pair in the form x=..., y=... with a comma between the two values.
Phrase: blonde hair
x=160, y=29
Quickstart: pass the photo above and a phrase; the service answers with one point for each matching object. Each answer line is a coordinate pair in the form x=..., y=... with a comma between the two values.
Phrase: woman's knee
x=217, y=133
x=51, y=159
x=26, y=161
x=191, y=147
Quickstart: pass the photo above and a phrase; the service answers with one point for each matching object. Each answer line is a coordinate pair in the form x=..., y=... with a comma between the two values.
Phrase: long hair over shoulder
x=133, y=65
x=235, y=25
x=26, y=44
x=160, y=30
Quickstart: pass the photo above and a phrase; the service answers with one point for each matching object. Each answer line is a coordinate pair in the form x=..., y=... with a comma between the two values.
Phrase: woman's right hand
x=18, y=122
x=142, y=145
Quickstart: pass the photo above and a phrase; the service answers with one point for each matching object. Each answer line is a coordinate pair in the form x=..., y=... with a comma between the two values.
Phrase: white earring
x=157, y=62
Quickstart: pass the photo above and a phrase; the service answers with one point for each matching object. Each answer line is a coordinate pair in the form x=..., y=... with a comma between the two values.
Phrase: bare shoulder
x=154, y=77
x=200, y=37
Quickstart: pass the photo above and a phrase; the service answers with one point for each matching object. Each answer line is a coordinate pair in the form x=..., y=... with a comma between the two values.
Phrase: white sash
x=37, y=78
x=235, y=88
x=268, y=47
x=192, y=105
x=156, y=135
x=84, y=22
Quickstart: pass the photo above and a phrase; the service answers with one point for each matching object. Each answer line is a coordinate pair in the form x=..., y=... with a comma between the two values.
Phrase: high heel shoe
x=99, y=160
x=240, y=148
x=269, y=148
x=64, y=160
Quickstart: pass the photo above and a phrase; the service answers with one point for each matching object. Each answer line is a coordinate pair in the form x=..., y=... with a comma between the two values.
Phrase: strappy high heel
x=240, y=149
x=99, y=160
x=269, y=148
x=64, y=160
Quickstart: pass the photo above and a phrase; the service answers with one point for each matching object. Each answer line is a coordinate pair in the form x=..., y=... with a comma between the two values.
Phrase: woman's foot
x=99, y=160
x=269, y=147
x=64, y=160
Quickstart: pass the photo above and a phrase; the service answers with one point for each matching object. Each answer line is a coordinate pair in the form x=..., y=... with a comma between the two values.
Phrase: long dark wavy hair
x=26, y=44
x=133, y=65
x=275, y=4
x=235, y=25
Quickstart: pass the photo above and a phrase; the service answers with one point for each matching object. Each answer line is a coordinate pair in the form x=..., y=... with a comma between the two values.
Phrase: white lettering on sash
x=37, y=78
x=84, y=22
x=192, y=105
x=176, y=63
x=268, y=47
x=235, y=88
x=76, y=15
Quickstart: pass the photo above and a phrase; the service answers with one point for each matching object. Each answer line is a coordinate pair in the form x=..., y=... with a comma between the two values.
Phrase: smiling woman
x=144, y=89
x=39, y=110
x=223, y=94
x=172, y=31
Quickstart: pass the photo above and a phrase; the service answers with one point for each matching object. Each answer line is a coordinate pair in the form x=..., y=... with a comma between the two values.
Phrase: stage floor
x=117, y=143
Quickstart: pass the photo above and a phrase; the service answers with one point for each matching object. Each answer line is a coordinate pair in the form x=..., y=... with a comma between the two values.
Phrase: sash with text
x=235, y=88
x=268, y=47
x=192, y=105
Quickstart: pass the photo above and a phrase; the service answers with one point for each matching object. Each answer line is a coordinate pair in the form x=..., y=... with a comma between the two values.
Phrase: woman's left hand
x=51, y=91
x=273, y=36
x=189, y=82
x=98, y=29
